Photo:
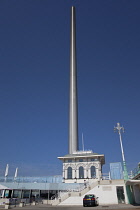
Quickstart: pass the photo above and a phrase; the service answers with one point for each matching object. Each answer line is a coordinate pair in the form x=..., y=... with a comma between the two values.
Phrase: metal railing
x=135, y=172
x=105, y=176
x=17, y=201
x=47, y=179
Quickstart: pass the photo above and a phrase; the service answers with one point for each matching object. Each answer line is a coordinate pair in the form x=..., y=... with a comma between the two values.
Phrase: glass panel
x=26, y=193
x=1, y=191
x=81, y=172
x=69, y=173
x=89, y=196
x=6, y=193
x=93, y=172
x=35, y=193
x=17, y=194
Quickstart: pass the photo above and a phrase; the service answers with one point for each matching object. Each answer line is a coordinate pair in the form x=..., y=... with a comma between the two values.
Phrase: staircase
x=73, y=194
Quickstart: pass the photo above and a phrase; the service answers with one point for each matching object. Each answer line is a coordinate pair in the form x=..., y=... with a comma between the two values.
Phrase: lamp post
x=119, y=129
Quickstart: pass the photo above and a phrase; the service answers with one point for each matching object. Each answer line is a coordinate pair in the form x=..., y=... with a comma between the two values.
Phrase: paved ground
x=47, y=207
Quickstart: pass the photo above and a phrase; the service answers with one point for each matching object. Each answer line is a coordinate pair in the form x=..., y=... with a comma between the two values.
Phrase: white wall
x=107, y=195
x=86, y=164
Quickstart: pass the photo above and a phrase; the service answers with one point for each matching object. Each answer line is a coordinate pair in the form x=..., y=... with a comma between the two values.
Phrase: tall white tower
x=78, y=166
x=73, y=104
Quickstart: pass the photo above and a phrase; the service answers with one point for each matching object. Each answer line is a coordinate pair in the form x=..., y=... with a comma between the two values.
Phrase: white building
x=82, y=166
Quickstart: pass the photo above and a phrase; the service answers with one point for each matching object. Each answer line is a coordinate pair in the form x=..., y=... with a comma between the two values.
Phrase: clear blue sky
x=34, y=81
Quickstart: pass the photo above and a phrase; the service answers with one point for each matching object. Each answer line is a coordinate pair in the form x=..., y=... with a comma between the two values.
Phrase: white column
x=73, y=173
x=89, y=172
x=77, y=173
x=63, y=171
x=98, y=171
x=66, y=173
x=85, y=173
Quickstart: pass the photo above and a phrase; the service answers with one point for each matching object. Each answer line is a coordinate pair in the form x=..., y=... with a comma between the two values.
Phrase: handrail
x=64, y=195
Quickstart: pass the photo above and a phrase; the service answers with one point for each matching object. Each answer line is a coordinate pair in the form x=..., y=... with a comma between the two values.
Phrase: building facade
x=82, y=166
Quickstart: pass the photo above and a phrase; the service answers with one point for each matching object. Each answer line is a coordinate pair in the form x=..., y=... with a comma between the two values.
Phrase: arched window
x=69, y=172
x=81, y=172
x=93, y=172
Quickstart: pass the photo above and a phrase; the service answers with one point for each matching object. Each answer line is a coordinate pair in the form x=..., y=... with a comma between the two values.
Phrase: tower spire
x=73, y=104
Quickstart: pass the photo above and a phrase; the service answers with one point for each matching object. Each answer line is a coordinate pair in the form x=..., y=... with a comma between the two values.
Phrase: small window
x=69, y=175
x=89, y=196
x=69, y=160
x=81, y=172
x=92, y=159
x=93, y=172
x=80, y=160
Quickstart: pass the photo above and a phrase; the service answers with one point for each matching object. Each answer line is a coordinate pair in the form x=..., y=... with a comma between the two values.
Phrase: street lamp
x=119, y=129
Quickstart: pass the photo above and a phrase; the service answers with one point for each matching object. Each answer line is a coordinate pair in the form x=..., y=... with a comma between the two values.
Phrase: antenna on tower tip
x=83, y=141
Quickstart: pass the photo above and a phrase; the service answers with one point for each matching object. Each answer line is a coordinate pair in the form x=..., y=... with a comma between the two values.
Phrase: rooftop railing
x=135, y=172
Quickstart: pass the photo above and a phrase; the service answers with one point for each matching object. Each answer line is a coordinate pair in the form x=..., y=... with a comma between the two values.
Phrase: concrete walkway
x=118, y=206
x=49, y=207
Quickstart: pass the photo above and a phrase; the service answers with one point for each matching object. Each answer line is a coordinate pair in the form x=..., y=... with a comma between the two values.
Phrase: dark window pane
x=81, y=172
x=69, y=173
x=89, y=196
x=93, y=172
